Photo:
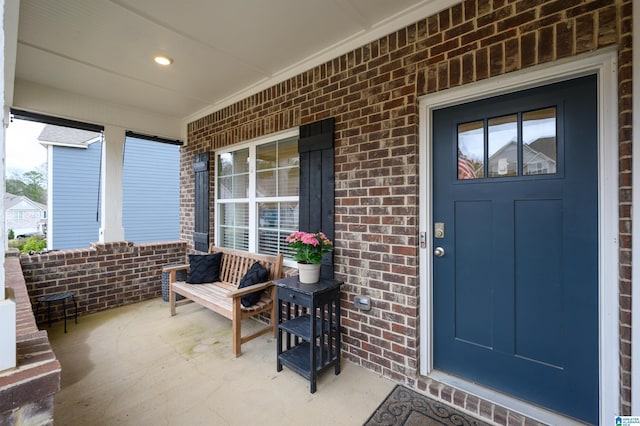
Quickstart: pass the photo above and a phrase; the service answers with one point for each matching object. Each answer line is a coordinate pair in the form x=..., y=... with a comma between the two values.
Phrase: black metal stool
x=55, y=297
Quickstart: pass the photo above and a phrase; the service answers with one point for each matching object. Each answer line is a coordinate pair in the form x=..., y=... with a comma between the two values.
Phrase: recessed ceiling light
x=163, y=60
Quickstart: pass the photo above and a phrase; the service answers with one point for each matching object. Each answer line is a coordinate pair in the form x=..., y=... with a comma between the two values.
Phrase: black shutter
x=317, y=183
x=201, y=172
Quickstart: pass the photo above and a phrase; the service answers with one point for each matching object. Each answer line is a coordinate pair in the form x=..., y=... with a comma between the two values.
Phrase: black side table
x=308, y=327
x=55, y=297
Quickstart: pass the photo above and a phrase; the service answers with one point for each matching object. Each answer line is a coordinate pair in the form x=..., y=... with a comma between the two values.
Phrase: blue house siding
x=151, y=199
x=151, y=191
x=76, y=195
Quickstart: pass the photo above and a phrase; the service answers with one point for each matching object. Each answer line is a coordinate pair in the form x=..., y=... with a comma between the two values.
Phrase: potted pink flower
x=308, y=249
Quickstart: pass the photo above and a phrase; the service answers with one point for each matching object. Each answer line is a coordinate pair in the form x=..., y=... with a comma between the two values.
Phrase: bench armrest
x=250, y=289
x=175, y=268
x=172, y=272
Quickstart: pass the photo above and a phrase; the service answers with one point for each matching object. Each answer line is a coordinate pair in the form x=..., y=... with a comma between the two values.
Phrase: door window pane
x=503, y=146
x=539, y=148
x=471, y=150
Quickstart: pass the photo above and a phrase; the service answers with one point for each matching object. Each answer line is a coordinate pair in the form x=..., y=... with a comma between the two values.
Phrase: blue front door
x=516, y=227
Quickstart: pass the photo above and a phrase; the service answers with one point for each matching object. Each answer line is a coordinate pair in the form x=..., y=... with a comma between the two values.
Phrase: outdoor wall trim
x=604, y=63
x=26, y=391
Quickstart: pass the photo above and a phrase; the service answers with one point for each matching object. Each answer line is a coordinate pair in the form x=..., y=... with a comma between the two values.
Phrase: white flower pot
x=309, y=273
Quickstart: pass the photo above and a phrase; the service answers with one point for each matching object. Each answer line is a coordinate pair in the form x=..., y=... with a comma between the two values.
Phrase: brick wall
x=27, y=391
x=104, y=276
x=373, y=94
x=625, y=83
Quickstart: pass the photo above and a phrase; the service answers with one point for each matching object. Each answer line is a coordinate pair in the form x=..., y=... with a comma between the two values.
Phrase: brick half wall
x=26, y=392
x=103, y=276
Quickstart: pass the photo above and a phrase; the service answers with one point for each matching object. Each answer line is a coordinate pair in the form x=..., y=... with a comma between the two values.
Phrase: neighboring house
x=151, y=196
x=23, y=215
x=504, y=162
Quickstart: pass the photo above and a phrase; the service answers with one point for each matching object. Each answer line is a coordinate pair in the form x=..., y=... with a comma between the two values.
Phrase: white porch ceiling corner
x=99, y=52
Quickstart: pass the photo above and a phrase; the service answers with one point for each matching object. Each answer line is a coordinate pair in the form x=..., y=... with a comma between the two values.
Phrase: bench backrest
x=236, y=263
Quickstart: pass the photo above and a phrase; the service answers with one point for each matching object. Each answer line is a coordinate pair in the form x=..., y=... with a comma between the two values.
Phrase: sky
x=23, y=151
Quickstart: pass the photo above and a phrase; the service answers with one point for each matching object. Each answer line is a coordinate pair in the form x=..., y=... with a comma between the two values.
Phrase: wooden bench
x=224, y=296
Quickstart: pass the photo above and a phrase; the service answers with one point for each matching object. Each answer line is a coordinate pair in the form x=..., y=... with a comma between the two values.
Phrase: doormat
x=404, y=407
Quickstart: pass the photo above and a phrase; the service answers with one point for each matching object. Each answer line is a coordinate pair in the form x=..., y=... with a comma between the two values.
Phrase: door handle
x=438, y=251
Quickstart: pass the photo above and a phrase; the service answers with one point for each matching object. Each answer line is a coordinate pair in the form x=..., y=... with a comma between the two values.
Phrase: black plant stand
x=308, y=327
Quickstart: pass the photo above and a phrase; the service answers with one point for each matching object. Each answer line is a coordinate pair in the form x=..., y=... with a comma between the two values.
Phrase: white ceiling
x=223, y=49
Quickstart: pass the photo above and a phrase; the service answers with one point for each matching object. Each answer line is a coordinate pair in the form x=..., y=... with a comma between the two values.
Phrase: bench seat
x=224, y=297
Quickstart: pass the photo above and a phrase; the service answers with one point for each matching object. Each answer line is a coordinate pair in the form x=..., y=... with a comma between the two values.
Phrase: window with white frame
x=257, y=190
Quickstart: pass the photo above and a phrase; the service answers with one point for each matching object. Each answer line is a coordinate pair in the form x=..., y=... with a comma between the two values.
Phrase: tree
x=32, y=184
x=15, y=185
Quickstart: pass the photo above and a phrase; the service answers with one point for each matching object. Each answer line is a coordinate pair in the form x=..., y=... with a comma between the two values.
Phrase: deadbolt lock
x=438, y=230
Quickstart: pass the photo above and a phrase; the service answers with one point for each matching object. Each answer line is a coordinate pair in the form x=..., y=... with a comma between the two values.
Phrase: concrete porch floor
x=137, y=365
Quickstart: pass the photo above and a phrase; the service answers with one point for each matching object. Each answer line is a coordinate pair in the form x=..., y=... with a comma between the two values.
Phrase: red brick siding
x=26, y=392
x=622, y=34
x=372, y=92
x=105, y=276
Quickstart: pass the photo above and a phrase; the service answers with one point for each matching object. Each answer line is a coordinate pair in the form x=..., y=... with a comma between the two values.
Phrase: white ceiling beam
x=46, y=100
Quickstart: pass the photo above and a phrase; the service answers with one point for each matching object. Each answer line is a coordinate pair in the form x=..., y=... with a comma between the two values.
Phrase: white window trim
x=252, y=200
x=604, y=64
